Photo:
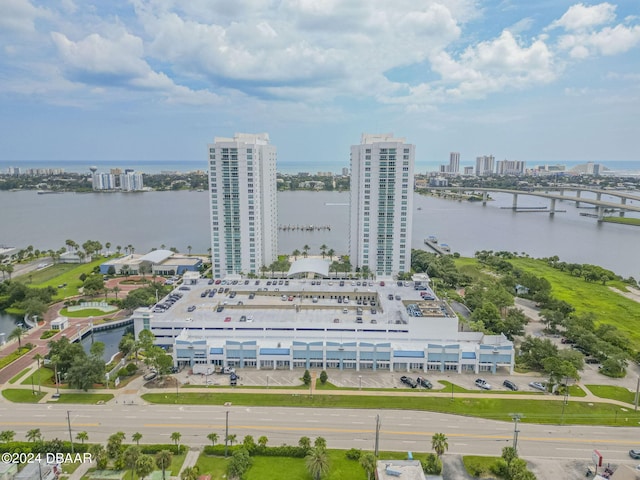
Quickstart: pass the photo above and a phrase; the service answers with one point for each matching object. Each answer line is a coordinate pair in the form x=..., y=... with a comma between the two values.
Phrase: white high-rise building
x=103, y=181
x=454, y=163
x=244, y=208
x=131, y=181
x=485, y=165
x=381, y=204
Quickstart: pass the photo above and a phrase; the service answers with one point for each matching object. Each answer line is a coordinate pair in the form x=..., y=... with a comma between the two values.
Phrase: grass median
x=547, y=410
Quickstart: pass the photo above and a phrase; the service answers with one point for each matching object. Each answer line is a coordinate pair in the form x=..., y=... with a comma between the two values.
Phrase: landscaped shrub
x=48, y=334
x=153, y=449
x=354, y=454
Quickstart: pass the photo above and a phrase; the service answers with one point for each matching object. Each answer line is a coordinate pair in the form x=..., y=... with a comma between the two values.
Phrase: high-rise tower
x=381, y=204
x=244, y=209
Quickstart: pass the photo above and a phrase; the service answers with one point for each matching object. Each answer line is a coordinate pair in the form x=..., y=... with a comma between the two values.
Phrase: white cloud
x=20, y=15
x=608, y=41
x=581, y=17
x=117, y=62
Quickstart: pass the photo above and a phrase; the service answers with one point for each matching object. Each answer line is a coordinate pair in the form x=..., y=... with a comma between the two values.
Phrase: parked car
x=227, y=319
x=410, y=382
x=220, y=308
x=483, y=384
x=423, y=382
x=191, y=308
x=538, y=386
x=151, y=375
x=243, y=318
x=510, y=385
x=635, y=454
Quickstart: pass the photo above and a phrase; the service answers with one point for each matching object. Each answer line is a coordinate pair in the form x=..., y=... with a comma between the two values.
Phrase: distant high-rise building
x=103, y=181
x=510, y=167
x=484, y=165
x=381, y=209
x=244, y=207
x=131, y=182
x=345, y=171
x=454, y=163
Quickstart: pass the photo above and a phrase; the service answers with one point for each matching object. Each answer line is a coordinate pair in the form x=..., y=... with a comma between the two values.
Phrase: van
x=314, y=299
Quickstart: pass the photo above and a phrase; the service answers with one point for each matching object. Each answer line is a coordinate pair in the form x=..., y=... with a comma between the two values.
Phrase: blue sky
x=539, y=81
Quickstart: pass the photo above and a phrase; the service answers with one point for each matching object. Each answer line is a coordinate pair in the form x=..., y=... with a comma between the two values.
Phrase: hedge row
x=281, y=451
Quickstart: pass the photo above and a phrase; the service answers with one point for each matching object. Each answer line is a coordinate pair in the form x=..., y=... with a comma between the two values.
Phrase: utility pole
x=226, y=434
x=377, y=442
x=516, y=418
x=70, y=436
x=635, y=402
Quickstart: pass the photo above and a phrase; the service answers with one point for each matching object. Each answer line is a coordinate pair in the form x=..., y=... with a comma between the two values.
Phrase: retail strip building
x=321, y=324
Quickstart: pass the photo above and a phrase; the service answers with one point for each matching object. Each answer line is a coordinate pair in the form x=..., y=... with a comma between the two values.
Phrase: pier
x=437, y=248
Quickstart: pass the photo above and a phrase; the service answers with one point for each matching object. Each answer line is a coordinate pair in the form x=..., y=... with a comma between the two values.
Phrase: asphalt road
x=342, y=428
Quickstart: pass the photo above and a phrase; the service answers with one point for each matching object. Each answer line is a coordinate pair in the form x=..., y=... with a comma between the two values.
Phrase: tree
x=331, y=252
x=509, y=454
x=82, y=436
x=17, y=333
x=320, y=442
x=368, y=463
x=213, y=437
x=114, y=444
x=304, y=443
x=189, y=247
x=306, y=377
x=7, y=436
x=99, y=454
x=136, y=437
x=231, y=438
x=317, y=463
x=432, y=465
x=296, y=254
x=238, y=465
x=34, y=435
x=262, y=441
x=175, y=437
x=306, y=249
x=144, y=465
x=323, y=249
x=439, y=443
x=163, y=461
x=130, y=457
x=248, y=443
x=126, y=344
x=190, y=473
x=93, y=284
x=97, y=349
x=323, y=377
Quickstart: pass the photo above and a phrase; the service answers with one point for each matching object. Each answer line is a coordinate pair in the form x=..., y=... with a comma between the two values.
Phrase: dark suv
x=410, y=382
x=423, y=382
x=510, y=385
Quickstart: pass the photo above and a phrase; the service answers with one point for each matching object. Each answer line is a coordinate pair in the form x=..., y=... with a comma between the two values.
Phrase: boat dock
x=442, y=249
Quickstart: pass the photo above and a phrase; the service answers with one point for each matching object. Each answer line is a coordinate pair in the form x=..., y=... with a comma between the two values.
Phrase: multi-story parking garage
x=323, y=324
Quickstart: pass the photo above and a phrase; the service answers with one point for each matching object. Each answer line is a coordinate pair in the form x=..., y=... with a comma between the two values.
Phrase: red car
x=217, y=281
x=290, y=298
x=382, y=284
x=227, y=319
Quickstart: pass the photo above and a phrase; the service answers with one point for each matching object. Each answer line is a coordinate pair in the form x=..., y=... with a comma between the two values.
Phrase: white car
x=538, y=386
x=483, y=384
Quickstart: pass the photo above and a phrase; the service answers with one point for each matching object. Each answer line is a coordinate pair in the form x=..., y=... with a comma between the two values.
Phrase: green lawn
x=615, y=393
x=43, y=375
x=285, y=468
x=84, y=398
x=86, y=312
x=176, y=464
x=547, y=411
x=587, y=297
x=22, y=395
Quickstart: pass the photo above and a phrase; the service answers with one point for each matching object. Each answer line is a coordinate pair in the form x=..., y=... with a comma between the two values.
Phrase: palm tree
x=7, y=436
x=331, y=252
x=163, y=460
x=231, y=439
x=262, y=441
x=306, y=249
x=190, y=473
x=296, y=254
x=115, y=290
x=17, y=334
x=368, y=463
x=82, y=436
x=175, y=437
x=213, y=437
x=439, y=443
x=34, y=435
x=144, y=466
x=317, y=463
x=119, y=248
x=323, y=249
x=189, y=247
x=130, y=456
x=136, y=437
x=108, y=246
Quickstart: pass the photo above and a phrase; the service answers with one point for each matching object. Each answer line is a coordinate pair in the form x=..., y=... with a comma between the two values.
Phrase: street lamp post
x=57, y=374
x=359, y=382
x=226, y=433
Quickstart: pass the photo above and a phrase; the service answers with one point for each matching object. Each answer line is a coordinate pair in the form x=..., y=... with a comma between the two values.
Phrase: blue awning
x=274, y=351
x=468, y=355
x=216, y=351
x=409, y=354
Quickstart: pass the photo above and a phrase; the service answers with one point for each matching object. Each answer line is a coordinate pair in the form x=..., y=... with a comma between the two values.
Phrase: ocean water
x=154, y=167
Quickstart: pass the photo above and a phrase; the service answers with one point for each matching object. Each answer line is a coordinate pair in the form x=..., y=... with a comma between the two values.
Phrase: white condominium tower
x=244, y=209
x=381, y=204
x=454, y=163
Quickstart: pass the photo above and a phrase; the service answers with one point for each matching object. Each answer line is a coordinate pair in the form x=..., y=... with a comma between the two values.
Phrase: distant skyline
x=541, y=82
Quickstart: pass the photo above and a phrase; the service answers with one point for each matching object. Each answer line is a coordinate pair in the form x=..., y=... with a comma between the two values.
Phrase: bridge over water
x=599, y=204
